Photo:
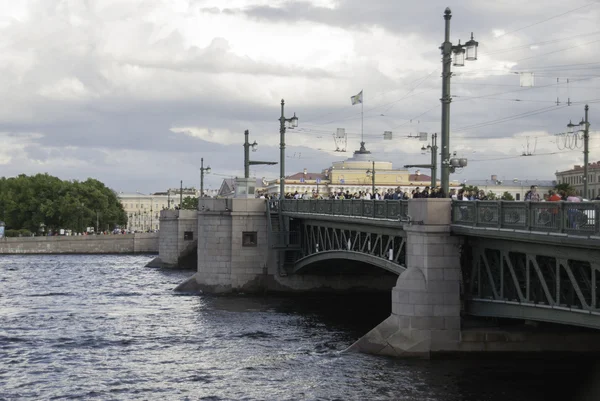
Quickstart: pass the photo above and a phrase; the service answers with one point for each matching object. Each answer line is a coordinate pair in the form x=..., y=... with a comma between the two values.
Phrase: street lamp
x=247, y=161
x=371, y=173
x=433, y=148
x=203, y=170
x=292, y=123
x=461, y=52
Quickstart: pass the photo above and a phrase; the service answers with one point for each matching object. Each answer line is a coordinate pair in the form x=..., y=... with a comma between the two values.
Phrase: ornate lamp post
x=203, y=170
x=467, y=51
x=292, y=123
x=371, y=173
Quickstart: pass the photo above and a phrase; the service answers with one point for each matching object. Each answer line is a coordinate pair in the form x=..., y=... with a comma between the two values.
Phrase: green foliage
x=18, y=233
x=569, y=190
x=189, y=203
x=32, y=202
x=507, y=196
x=491, y=196
x=471, y=188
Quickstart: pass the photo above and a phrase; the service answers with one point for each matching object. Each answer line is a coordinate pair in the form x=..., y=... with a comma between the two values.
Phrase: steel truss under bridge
x=383, y=247
x=535, y=282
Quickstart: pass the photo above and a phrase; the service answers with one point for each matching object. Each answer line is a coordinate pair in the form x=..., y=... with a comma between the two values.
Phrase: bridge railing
x=558, y=217
x=377, y=209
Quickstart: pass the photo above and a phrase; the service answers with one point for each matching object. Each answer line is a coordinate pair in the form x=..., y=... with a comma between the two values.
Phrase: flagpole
x=362, y=117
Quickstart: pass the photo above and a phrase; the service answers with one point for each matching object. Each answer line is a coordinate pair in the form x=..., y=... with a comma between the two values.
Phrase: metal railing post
x=597, y=218
x=500, y=213
x=562, y=217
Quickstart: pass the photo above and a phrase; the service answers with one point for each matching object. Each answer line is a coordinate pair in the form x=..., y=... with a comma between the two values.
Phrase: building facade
x=517, y=188
x=354, y=174
x=143, y=209
x=574, y=177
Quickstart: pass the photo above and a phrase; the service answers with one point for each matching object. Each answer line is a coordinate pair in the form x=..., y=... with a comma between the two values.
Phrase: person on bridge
x=532, y=195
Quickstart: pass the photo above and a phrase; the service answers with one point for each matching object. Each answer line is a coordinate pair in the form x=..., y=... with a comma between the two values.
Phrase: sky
x=135, y=92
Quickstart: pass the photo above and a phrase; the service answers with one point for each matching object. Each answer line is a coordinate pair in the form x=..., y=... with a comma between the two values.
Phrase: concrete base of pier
x=388, y=340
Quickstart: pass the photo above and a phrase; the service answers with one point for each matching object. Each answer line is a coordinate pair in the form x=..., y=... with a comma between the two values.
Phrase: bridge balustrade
x=557, y=217
x=376, y=209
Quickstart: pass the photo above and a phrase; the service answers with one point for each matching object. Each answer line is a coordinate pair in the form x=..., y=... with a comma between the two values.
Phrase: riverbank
x=84, y=244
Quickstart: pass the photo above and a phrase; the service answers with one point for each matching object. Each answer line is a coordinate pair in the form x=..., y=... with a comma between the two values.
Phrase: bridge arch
x=355, y=256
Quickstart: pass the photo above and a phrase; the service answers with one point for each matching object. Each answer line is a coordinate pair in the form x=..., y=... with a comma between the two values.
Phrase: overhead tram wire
x=508, y=118
x=558, y=51
x=545, y=42
x=407, y=95
x=521, y=90
x=547, y=19
x=425, y=77
x=531, y=155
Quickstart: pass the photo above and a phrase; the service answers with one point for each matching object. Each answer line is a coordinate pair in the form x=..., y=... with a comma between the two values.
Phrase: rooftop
x=579, y=168
x=513, y=183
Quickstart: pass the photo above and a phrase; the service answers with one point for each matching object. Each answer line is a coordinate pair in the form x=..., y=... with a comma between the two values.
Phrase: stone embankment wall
x=93, y=244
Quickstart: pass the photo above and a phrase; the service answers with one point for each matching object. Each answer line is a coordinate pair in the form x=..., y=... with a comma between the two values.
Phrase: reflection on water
x=105, y=327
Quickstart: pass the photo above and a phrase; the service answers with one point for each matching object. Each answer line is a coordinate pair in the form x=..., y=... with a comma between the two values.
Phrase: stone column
x=426, y=299
x=227, y=260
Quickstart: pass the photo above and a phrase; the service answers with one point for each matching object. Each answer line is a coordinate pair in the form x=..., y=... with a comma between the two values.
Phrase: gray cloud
x=79, y=105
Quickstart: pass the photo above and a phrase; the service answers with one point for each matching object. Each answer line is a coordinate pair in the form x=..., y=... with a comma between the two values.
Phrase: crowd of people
x=436, y=192
x=390, y=194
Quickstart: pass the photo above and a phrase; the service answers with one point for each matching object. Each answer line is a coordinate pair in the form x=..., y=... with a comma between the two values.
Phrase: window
x=518, y=197
x=249, y=238
x=188, y=236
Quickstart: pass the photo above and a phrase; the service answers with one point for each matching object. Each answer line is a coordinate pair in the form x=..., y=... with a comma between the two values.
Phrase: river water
x=107, y=328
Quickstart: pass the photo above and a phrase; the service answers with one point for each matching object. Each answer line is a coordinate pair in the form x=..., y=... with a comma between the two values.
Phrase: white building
x=517, y=188
x=574, y=177
x=143, y=210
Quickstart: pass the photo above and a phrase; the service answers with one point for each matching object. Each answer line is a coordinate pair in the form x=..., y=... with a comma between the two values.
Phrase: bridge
x=521, y=260
x=441, y=259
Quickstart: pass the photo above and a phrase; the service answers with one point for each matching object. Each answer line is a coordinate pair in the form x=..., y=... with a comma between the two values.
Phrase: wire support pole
x=282, y=153
x=201, y=177
x=446, y=99
x=586, y=152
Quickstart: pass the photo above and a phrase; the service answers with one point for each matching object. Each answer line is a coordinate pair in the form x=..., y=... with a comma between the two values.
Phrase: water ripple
x=106, y=328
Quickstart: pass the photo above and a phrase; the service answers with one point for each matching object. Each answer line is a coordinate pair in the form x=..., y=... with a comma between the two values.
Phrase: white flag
x=356, y=99
x=387, y=135
x=526, y=78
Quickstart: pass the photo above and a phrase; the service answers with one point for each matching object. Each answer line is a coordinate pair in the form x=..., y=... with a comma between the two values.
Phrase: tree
x=189, y=203
x=507, y=196
x=471, y=188
x=31, y=202
x=567, y=188
x=491, y=196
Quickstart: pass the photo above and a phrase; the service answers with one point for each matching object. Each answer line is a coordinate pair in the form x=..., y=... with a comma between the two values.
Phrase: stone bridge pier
x=426, y=303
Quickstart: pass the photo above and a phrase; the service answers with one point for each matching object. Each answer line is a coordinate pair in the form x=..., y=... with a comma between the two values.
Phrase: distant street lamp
x=247, y=161
x=371, y=173
x=433, y=148
x=203, y=170
x=467, y=51
x=292, y=123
